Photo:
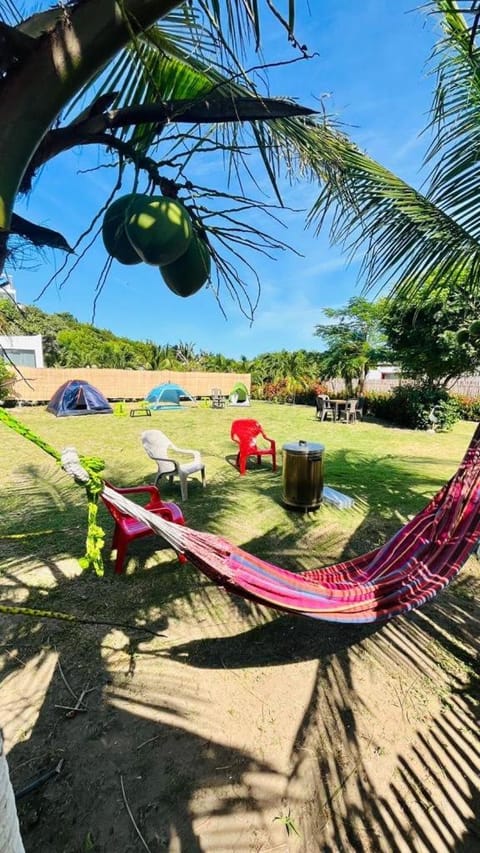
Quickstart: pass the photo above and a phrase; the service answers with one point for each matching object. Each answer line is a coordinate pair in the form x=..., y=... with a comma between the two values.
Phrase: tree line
x=421, y=335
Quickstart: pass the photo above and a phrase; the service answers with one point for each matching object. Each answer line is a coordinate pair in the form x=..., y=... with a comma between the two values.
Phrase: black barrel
x=302, y=474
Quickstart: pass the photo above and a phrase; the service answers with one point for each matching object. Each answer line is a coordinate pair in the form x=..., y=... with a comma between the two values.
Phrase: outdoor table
x=337, y=405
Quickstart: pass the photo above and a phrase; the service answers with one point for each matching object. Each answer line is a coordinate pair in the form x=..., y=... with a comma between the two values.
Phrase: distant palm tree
x=295, y=370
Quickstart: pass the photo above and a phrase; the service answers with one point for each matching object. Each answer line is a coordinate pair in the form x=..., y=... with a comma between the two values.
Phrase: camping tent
x=239, y=395
x=168, y=396
x=78, y=397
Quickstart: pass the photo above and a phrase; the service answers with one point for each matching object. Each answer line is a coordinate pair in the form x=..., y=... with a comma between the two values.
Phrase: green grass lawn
x=390, y=473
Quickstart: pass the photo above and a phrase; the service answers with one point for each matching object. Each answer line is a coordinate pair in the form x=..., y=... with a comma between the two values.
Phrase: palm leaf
x=180, y=60
x=455, y=150
x=407, y=240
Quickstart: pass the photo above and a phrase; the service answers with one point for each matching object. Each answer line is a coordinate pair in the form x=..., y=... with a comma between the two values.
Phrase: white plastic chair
x=158, y=447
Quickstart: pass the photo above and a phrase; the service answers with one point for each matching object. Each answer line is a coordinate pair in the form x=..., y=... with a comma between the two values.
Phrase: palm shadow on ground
x=188, y=784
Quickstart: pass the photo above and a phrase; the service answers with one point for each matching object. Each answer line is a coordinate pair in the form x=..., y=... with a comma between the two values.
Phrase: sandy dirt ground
x=238, y=730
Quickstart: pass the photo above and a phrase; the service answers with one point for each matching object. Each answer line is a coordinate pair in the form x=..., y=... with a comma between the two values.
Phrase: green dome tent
x=239, y=395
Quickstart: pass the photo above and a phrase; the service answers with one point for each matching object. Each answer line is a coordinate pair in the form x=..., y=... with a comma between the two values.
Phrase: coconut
x=113, y=230
x=463, y=336
x=475, y=329
x=159, y=229
x=190, y=271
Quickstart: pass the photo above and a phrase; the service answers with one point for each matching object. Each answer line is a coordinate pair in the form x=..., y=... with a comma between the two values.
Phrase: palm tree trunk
x=64, y=55
x=10, y=840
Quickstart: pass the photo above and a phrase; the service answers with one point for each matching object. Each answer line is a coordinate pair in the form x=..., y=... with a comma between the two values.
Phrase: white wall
x=23, y=350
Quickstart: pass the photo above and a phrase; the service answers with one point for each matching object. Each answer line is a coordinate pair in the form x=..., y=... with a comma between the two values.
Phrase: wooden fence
x=38, y=384
x=468, y=386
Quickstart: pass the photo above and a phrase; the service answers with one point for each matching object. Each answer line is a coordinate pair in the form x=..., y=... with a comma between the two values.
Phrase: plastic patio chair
x=324, y=407
x=245, y=432
x=128, y=528
x=158, y=447
x=218, y=399
x=350, y=412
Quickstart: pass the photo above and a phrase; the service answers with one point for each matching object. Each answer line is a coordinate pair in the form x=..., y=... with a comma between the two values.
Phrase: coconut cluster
x=159, y=231
x=470, y=335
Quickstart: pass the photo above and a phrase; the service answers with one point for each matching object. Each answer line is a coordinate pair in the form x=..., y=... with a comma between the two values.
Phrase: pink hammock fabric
x=410, y=569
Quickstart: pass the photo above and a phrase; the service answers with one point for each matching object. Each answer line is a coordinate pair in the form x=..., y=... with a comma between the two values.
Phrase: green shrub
x=281, y=392
x=469, y=407
x=412, y=407
x=377, y=404
x=6, y=384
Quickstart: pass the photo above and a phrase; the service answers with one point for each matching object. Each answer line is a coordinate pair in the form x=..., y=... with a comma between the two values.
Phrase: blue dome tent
x=168, y=396
x=78, y=397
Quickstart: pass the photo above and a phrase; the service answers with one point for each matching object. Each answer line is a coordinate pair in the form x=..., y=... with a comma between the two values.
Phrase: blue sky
x=371, y=66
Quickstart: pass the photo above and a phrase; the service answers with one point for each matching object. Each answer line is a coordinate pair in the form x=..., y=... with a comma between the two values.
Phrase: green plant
x=468, y=407
x=288, y=823
x=412, y=406
x=6, y=380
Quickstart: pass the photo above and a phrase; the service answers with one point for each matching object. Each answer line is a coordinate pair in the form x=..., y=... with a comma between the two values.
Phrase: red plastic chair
x=128, y=528
x=246, y=432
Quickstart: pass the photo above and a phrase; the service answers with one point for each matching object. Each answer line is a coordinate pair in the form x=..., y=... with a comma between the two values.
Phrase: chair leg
x=183, y=488
x=204, y=482
x=121, y=546
x=274, y=461
x=242, y=464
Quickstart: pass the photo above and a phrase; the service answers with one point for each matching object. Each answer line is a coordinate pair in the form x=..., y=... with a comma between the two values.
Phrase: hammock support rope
x=93, y=484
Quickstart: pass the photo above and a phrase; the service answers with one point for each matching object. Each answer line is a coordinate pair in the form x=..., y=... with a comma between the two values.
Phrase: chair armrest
x=166, y=459
x=270, y=440
x=155, y=497
x=195, y=453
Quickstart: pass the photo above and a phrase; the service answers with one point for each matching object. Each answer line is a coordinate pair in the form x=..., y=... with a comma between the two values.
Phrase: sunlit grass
x=389, y=472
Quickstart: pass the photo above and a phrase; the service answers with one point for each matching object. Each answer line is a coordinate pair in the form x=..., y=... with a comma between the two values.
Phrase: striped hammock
x=410, y=569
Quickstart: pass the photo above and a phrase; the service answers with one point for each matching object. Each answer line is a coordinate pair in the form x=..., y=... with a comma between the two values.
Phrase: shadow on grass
x=189, y=785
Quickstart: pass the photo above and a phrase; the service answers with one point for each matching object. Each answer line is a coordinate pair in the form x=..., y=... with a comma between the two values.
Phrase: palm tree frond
x=407, y=240
x=455, y=121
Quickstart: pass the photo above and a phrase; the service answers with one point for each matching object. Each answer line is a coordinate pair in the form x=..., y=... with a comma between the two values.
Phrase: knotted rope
x=85, y=471
x=91, y=480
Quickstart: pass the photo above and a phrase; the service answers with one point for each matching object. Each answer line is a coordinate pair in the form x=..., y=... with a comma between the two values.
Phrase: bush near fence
x=469, y=407
x=416, y=407
x=279, y=392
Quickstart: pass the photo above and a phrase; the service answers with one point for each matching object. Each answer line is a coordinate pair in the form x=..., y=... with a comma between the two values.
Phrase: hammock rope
x=92, y=482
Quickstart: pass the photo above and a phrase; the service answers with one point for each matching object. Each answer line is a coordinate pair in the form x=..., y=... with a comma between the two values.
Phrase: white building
x=384, y=371
x=21, y=350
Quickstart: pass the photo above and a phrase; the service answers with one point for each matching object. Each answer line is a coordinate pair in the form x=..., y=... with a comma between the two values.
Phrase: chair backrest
x=217, y=398
x=245, y=431
x=322, y=402
x=156, y=444
x=116, y=513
